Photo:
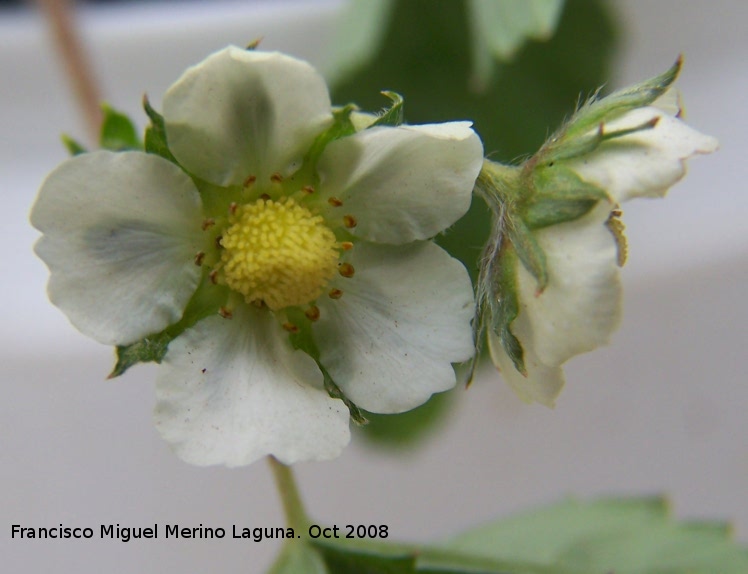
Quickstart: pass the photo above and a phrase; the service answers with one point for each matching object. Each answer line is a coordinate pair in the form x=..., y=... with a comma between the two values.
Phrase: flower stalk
x=293, y=506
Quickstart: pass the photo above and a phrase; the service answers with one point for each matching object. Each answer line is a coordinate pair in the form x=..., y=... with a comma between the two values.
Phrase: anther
x=335, y=294
x=346, y=270
x=291, y=328
x=232, y=208
x=265, y=197
x=346, y=245
x=218, y=242
x=208, y=223
x=335, y=202
x=250, y=180
x=308, y=189
x=213, y=275
x=312, y=313
x=225, y=313
x=276, y=178
x=259, y=303
x=199, y=258
x=349, y=221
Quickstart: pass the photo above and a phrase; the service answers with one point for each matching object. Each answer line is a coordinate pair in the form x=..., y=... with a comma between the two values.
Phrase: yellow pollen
x=278, y=252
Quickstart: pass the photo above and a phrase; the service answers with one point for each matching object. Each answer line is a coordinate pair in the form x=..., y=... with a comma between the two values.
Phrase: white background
x=661, y=411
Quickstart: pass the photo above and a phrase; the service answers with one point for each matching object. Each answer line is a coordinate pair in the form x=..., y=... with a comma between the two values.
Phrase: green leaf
x=357, y=39
x=500, y=29
x=298, y=557
x=155, y=134
x=395, y=114
x=634, y=536
x=204, y=302
x=118, y=132
x=73, y=146
x=343, y=560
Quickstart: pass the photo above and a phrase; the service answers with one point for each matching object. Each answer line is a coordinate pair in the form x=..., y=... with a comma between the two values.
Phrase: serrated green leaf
x=73, y=146
x=635, y=536
x=118, y=132
x=204, y=302
x=395, y=114
x=155, y=134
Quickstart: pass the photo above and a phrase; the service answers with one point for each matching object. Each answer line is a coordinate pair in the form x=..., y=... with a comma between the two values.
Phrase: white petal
x=234, y=390
x=242, y=112
x=580, y=307
x=647, y=162
x=405, y=183
x=403, y=319
x=121, y=231
x=542, y=384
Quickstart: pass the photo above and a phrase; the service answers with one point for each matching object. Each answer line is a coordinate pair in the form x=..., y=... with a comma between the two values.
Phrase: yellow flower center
x=278, y=252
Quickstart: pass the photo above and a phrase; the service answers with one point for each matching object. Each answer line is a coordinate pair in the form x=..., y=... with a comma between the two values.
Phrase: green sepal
x=155, y=133
x=342, y=126
x=598, y=111
x=560, y=196
x=505, y=308
x=118, y=133
x=395, y=114
x=206, y=301
x=74, y=147
x=529, y=251
x=303, y=340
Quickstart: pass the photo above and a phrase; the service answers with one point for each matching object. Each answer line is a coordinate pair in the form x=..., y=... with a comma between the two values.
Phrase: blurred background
x=660, y=411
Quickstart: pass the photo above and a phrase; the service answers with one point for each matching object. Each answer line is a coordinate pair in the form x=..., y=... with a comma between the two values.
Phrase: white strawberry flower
x=580, y=307
x=242, y=223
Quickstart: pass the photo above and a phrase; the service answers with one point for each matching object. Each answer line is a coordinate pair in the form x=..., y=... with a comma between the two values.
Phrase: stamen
x=291, y=328
x=232, y=208
x=208, y=223
x=349, y=221
x=213, y=275
x=312, y=313
x=346, y=270
x=250, y=180
x=335, y=202
x=225, y=312
x=346, y=245
x=308, y=189
x=276, y=178
x=199, y=258
x=335, y=294
x=218, y=242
